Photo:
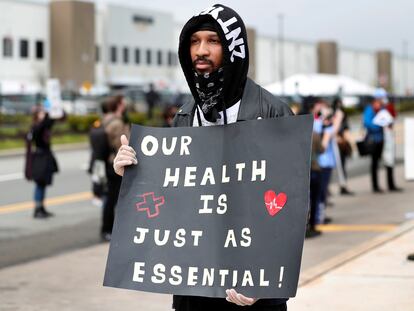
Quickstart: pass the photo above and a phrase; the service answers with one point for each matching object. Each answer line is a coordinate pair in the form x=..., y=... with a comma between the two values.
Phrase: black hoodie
x=233, y=37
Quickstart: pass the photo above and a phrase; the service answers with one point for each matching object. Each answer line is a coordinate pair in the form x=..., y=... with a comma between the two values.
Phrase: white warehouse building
x=24, y=45
x=135, y=46
x=129, y=46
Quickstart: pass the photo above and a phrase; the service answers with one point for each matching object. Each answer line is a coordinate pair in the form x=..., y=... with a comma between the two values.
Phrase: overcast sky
x=362, y=24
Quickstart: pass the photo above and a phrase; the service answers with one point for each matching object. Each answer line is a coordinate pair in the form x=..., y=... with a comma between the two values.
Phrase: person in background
x=306, y=104
x=169, y=114
x=99, y=153
x=295, y=107
x=41, y=163
x=343, y=140
x=327, y=125
x=389, y=148
x=375, y=135
x=152, y=98
x=297, y=99
x=315, y=177
x=115, y=126
x=180, y=99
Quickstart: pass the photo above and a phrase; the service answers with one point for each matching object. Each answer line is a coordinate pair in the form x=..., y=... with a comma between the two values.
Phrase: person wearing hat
x=375, y=135
x=214, y=56
x=378, y=122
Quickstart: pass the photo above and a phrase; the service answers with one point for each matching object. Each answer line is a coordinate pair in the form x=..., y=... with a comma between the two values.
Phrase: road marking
x=355, y=228
x=64, y=199
x=9, y=177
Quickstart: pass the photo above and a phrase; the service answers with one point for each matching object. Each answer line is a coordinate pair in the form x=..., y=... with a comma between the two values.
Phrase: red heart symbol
x=281, y=199
x=274, y=203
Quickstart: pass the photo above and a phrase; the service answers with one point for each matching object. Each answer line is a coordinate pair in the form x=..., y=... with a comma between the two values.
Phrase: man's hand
x=126, y=156
x=239, y=299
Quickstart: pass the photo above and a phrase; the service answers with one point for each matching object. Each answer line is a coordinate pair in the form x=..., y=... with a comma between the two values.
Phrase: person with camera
x=327, y=124
x=41, y=163
x=343, y=140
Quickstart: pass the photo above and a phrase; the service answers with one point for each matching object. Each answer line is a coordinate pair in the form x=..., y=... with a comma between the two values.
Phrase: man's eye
x=215, y=41
x=193, y=41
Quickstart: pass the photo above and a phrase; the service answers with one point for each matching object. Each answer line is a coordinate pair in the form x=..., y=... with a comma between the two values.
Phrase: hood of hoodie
x=233, y=37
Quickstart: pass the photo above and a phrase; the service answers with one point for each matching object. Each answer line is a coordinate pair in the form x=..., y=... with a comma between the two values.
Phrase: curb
x=333, y=263
x=60, y=147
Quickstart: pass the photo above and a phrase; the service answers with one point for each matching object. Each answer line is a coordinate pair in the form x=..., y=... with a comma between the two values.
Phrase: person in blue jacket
x=375, y=137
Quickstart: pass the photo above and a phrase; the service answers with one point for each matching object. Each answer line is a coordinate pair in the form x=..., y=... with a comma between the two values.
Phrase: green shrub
x=15, y=119
x=81, y=124
x=137, y=117
x=17, y=126
x=10, y=132
x=7, y=143
x=69, y=139
x=61, y=128
x=141, y=118
x=405, y=105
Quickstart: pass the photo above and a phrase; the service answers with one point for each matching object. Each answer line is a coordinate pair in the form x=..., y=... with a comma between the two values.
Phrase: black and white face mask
x=209, y=87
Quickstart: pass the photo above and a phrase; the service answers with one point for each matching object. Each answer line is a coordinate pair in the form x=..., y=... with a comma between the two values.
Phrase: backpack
x=99, y=142
x=101, y=151
x=100, y=148
x=40, y=164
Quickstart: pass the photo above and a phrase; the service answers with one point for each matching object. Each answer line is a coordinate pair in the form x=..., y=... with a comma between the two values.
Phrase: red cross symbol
x=150, y=204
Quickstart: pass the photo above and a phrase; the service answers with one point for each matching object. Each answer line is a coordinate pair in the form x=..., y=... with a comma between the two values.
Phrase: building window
x=39, y=50
x=137, y=56
x=126, y=55
x=113, y=54
x=175, y=59
x=24, y=48
x=143, y=20
x=7, y=47
x=159, y=57
x=97, y=54
x=149, y=57
x=170, y=58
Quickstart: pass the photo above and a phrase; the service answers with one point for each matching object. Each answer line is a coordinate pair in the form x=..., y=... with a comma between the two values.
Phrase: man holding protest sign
x=213, y=53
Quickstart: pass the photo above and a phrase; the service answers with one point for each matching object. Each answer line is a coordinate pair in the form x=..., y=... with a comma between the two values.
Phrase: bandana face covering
x=209, y=87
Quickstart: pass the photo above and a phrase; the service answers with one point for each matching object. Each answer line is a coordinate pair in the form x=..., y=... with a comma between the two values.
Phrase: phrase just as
x=192, y=176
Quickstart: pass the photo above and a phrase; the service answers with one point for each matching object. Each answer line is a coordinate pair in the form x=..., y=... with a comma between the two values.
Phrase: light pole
x=280, y=18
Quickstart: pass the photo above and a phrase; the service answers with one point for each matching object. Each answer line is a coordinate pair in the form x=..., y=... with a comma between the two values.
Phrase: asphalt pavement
x=77, y=220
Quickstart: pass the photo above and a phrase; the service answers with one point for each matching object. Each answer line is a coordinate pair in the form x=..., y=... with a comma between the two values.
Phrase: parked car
x=19, y=103
x=81, y=104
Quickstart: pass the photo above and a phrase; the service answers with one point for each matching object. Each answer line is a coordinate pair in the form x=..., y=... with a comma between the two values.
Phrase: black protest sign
x=212, y=208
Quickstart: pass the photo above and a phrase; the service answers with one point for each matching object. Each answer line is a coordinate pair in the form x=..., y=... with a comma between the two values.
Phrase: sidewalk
x=380, y=279
x=374, y=275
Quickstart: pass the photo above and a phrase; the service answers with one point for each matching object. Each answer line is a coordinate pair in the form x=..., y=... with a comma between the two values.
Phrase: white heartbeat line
x=273, y=205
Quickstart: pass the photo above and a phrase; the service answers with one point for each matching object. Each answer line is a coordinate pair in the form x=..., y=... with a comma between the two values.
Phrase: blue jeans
x=315, y=193
x=39, y=193
x=325, y=178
